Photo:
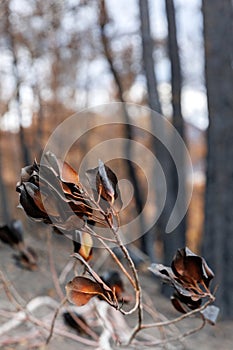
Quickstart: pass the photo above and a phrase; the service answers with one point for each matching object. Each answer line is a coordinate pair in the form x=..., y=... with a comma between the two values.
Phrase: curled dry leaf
x=83, y=244
x=190, y=276
x=103, y=181
x=109, y=294
x=183, y=303
x=81, y=289
x=65, y=172
x=191, y=268
x=106, y=182
x=178, y=305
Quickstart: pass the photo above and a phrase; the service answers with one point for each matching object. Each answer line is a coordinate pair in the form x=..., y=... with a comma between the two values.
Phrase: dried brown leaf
x=28, y=204
x=191, y=268
x=178, y=305
x=63, y=169
x=83, y=244
x=106, y=182
x=103, y=180
x=81, y=289
x=108, y=293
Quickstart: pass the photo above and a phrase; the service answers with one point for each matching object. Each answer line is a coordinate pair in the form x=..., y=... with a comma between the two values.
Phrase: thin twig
x=180, y=318
x=22, y=315
x=53, y=269
x=113, y=255
x=155, y=314
x=107, y=329
x=6, y=285
x=68, y=267
x=94, y=234
x=19, y=339
x=63, y=333
x=138, y=292
x=135, y=283
x=25, y=314
x=101, y=259
x=54, y=320
x=177, y=338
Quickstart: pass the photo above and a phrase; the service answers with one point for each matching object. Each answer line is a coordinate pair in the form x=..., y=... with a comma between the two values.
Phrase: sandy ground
x=39, y=283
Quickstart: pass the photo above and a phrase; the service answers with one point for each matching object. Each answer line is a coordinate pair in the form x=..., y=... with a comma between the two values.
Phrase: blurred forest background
x=59, y=57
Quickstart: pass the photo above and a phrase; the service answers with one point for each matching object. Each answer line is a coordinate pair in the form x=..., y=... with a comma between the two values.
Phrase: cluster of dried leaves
x=190, y=276
x=52, y=193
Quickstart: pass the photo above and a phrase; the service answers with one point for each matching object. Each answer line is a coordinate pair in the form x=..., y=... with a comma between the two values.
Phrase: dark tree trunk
x=147, y=241
x=218, y=235
x=177, y=238
x=103, y=20
x=40, y=123
x=147, y=53
x=5, y=211
x=173, y=52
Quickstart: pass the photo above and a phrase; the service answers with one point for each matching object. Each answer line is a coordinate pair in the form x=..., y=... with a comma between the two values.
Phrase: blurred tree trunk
x=11, y=41
x=103, y=20
x=148, y=61
x=40, y=123
x=5, y=211
x=173, y=53
x=147, y=241
x=177, y=238
x=218, y=236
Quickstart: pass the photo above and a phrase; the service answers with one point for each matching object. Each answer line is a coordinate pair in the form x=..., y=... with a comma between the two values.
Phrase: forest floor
x=30, y=284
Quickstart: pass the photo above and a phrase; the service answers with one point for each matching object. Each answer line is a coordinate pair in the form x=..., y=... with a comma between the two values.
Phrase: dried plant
x=190, y=276
x=53, y=193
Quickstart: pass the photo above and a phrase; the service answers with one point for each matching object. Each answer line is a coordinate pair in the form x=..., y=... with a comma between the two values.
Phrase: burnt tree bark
x=176, y=239
x=147, y=53
x=173, y=53
x=218, y=235
x=40, y=123
x=147, y=240
x=103, y=20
